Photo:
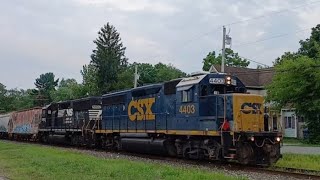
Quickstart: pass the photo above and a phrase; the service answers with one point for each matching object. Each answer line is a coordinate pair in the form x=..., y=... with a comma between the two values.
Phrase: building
x=256, y=80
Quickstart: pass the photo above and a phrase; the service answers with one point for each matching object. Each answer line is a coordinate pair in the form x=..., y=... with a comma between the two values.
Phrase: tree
x=108, y=58
x=3, y=92
x=14, y=99
x=285, y=56
x=311, y=46
x=89, y=81
x=167, y=72
x=149, y=74
x=45, y=84
x=297, y=83
x=231, y=59
x=68, y=89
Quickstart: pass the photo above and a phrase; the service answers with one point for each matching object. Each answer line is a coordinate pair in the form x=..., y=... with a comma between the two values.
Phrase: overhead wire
x=245, y=20
x=274, y=12
x=269, y=38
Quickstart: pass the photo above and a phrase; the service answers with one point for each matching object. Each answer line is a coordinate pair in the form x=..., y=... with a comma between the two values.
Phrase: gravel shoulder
x=209, y=167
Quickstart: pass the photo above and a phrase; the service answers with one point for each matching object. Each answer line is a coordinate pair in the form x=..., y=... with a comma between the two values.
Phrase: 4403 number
x=187, y=109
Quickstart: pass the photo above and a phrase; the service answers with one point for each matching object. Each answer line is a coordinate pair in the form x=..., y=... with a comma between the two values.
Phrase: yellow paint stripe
x=173, y=132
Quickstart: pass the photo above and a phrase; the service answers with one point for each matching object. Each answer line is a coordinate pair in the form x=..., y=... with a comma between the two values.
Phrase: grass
x=298, y=142
x=26, y=161
x=299, y=161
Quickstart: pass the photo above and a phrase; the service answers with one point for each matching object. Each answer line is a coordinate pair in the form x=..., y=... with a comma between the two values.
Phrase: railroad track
x=287, y=172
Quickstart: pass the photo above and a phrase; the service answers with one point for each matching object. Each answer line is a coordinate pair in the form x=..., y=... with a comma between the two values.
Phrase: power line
x=268, y=38
x=254, y=61
x=249, y=19
x=261, y=16
x=274, y=12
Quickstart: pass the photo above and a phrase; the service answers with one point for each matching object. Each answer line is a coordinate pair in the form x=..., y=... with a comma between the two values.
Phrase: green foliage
x=14, y=99
x=45, y=84
x=297, y=83
x=286, y=55
x=89, y=82
x=311, y=46
x=108, y=58
x=68, y=89
x=167, y=72
x=27, y=161
x=231, y=59
x=2, y=97
x=149, y=74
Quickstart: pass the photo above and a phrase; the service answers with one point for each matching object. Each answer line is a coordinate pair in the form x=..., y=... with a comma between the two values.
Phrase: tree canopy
x=108, y=59
x=44, y=84
x=296, y=82
x=231, y=59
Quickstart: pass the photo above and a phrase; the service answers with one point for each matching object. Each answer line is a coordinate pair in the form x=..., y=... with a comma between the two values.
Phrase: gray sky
x=39, y=36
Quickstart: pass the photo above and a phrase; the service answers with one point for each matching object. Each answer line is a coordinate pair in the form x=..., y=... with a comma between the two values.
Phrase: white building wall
x=289, y=123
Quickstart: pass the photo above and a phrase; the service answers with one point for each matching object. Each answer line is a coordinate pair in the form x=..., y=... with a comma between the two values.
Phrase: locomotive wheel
x=244, y=153
x=274, y=153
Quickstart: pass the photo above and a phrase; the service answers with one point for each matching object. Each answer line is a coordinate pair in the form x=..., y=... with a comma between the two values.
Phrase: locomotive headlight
x=278, y=139
x=251, y=138
x=228, y=80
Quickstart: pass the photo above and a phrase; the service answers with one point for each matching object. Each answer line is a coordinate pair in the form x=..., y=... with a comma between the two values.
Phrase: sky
x=39, y=36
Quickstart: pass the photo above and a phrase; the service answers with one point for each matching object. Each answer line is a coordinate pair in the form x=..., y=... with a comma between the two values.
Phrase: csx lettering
x=142, y=109
x=253, y=108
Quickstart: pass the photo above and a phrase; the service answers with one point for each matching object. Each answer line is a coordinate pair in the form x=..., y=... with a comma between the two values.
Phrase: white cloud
x=133, y=5
x=57, y=35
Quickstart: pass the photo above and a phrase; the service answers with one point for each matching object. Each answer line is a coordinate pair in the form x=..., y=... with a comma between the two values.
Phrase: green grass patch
x=292, y=141
x=298, y=142
x=299, y=161
x=26, y=161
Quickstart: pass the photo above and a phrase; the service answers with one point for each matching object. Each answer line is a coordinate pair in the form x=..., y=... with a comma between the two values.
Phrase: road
x=300, y=149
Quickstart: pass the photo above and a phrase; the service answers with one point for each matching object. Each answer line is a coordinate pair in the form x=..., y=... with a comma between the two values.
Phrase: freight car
x=206, y=116
x=24, y=124
x=4, y=119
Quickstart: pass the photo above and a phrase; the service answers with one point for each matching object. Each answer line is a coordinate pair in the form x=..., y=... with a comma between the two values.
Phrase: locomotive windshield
x=211, y=89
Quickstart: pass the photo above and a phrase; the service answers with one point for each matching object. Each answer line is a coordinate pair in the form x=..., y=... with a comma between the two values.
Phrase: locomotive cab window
x=187, y=95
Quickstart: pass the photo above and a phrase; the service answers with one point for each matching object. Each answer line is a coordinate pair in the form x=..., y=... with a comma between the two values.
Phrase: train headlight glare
x=228, y=78
x=251, y=138
x=278, y=139
x=228, y=82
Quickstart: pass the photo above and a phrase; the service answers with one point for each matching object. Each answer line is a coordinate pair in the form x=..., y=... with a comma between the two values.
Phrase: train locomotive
x=205, y=116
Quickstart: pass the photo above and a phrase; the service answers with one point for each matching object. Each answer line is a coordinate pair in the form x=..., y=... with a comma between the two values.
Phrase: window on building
x=275, y=123
x=293, y=123
x=187, y=95
x=290, y=122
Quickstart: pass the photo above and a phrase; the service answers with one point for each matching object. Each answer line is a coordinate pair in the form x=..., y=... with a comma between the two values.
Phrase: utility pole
x=223, y=48
x=136, y=76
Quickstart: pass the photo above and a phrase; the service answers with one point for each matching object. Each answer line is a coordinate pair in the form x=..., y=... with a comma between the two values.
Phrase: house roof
x=250, y=77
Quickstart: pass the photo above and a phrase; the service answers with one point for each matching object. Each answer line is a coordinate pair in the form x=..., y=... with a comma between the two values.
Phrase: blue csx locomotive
x=205, y=116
